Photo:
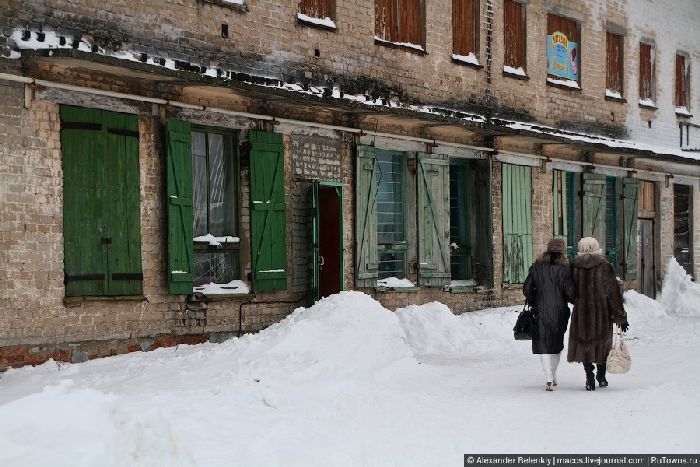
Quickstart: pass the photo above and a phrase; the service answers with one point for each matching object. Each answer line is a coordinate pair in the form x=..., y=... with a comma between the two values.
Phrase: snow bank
x=433, y=328
x=639, y=306
x=679, y=294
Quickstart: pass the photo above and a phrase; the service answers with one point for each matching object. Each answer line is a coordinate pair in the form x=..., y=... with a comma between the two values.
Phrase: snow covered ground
x=348, y=383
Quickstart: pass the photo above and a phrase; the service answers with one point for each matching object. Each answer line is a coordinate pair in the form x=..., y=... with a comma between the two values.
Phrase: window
x=514, y=35
x=559, y=209
x=317, y=13
x=611, y=218
x=647, y=72
x=101, y=203
x=465, y=31
x=399, y=22
x=215, y=207
x=682, y=84
x=563, y=51
x=517, y=222
x=391, y=234
x=613, y=73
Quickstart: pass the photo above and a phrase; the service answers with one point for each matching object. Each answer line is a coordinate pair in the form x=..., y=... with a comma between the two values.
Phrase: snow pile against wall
x=679, y=294
x=433, y=328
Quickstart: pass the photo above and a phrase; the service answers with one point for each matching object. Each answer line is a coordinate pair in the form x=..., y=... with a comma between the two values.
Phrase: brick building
x=177, y=171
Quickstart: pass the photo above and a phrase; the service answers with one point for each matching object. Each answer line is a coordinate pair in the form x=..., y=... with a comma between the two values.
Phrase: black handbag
x=526, y=325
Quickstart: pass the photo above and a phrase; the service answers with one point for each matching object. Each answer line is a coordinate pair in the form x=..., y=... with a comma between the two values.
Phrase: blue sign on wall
x=562, y=57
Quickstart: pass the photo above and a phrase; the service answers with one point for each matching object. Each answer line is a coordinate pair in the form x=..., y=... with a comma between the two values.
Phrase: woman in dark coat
x=548, y=288
x=598, y=305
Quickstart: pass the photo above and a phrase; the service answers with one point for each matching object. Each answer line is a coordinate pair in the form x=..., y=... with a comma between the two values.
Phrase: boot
x=590, y=376
x=600, y=375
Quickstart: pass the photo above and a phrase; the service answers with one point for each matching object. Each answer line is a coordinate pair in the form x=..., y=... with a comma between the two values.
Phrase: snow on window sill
x=647, y=104
x=568, y=84
x=615, y=96
x=469, y=60
x=517, y=73
x=234, y=287
x=239, y=5
x=215, y=241
x=395, y=284
x=683, y=112
x=403, y=45
x=324, y=23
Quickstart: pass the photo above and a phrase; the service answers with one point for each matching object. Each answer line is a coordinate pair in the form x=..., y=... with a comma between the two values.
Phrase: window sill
x=555, y=83
x=463, y=289
x=396, y=289
x=326, y=24
x=512, y=286
x=242, y=7
x=77, y=301
x=459, y=61
x=516, y=76
x=648, y=106
x=200, y=297
x=621, y=100
x=400, y=46
x=683, y=115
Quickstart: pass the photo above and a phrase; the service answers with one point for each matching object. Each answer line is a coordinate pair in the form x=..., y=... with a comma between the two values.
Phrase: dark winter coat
x=548, y=288
x=598, y=305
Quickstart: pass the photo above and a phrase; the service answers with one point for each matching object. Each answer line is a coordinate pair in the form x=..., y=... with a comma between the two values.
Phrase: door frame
x=315, y=232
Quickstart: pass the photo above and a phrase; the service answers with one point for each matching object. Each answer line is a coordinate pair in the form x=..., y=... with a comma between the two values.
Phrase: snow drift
x=679, y=294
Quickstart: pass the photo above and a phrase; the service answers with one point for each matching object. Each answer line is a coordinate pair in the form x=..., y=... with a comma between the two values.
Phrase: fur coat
x=549, y=288
x=598, y=305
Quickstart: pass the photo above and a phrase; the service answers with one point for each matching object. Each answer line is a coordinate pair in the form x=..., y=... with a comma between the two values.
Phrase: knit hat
x=589, y=246
x=556, y=245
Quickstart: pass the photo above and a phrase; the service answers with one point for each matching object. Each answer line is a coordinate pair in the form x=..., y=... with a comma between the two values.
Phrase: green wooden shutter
x=268, y=211
x=594, y=206
x=630, y=201
x=433, y=220
x=517, y=223
x=83, y=154
x=611, y=208
x=367, y=257
x=571, y=215
x=480, y=191
x=315, y=243
x=123, y=222
x=179, y=192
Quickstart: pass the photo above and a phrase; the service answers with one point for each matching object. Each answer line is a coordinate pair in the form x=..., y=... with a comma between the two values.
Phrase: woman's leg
x=600, y=375
x=554, y=363
x=546, y=361
x=590, y=376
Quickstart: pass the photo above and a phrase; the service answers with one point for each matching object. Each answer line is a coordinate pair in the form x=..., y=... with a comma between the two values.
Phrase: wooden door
x=647, y=265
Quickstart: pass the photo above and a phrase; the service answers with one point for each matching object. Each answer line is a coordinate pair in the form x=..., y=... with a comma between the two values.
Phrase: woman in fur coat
x=548, y=288
x=598, y=305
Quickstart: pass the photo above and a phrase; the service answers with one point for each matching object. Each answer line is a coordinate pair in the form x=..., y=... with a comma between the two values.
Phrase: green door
x=101, y=209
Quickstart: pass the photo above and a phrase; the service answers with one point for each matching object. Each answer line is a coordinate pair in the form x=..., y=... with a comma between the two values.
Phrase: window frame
x=396, y=38
x=202, y=247
x=620, y=70
x=686, y=81
x=522, y=50
x=552, y=79
x=651, y=86
x=457, y=50
x=403, y=245
x=305, y=16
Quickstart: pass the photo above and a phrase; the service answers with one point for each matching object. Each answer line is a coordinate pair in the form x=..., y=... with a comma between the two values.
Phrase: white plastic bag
x=619, y=360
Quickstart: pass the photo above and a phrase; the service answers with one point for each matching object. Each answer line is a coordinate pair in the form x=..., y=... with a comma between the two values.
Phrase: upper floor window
x=317, y=12
x=514, y=34
x=647, y=68
x=614, y=67
x=399, y=22
x=682, y=84
x=465, y=31
x=563, y=56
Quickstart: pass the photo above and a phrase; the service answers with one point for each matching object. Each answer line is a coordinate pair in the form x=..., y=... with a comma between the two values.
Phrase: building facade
x=182, y=171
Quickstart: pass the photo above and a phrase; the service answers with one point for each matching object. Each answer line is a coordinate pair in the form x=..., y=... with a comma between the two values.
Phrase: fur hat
x=589, y=246
x=556, y=245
